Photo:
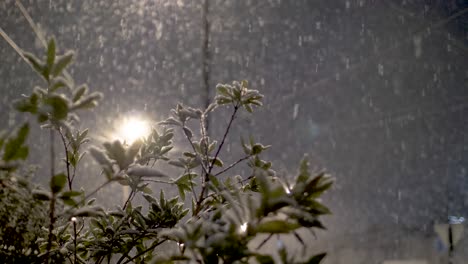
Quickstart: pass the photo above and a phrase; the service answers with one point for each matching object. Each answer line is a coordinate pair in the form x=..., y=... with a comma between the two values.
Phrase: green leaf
x=103, y=160
x=318, y=207
x=176, y=163
x=256, y=149
x=318, y=185
x=247, y=149
x=116, y=151
x=220, y=100
x=89, y=212
x=69, y=194
x=276, y=227
x=59, y=106
x=218, y=162
x=41, y=195
x=58, y=83
x=265, y=259
x=50, y=53
x=145, y=171
x=61, y=63
x=184, y=183
x=58, y=182
x=248, y=108
x=35, y=62
x=41, y=118
x=14, y=148
x=223, y=90
x=316, y=259
x=214, y=181
x=82, y=135
x=188, y=132
x=132, y=152
x=27, y=105
x=79, y=92
x=149, y=198
x=88, y=101
x=170, y=122
x=69, y=201
x=304, y=173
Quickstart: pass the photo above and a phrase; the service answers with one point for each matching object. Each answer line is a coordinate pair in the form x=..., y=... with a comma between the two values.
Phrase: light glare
x=243, y=228
x=132, y=129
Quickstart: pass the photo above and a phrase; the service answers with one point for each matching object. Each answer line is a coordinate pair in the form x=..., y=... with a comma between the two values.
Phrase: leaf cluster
x=228, y=215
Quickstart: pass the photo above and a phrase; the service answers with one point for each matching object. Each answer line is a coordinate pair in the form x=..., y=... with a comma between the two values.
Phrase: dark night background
x=374, y=91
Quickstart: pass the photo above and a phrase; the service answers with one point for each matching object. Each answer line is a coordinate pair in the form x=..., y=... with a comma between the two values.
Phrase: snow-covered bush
x=228, y=218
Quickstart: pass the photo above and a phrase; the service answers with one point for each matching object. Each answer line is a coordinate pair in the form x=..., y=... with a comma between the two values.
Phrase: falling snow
x=374, y=91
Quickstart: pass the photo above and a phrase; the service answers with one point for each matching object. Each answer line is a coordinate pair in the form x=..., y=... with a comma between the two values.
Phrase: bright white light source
x=132, y=129
x=181, y=246
x=287, y=188
x=243, y=228
x=73, y=219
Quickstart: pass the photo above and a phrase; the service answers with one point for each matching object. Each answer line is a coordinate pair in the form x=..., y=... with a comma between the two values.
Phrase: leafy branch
x=227, y=213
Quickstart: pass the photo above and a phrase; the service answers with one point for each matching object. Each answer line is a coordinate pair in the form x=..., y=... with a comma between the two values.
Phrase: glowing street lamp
x=131, y=129
x=128, y=130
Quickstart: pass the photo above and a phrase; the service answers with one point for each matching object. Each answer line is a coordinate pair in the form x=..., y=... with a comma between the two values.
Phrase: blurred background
x=376, y=92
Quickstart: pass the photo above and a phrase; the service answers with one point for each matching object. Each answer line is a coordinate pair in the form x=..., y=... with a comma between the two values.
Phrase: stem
x=145, y=251
x=52, y=201
x=67, y=161
x=74, y=242
x=73, y=174
x=158, y=181
x=236, y=107
x=204, y=135
x=264, y=241
x=232, y=165
x=87, y=196
x=194, y=150
x=15, y=47
x=31, y=23
x=51, y=227
x=207, y=178
x=52, y=153
x=140, y=236
x=128, y=199
x=191, y=186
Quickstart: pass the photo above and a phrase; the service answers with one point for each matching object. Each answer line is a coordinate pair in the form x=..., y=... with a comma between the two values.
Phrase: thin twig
x=52, y=153
x=67, y=161
x=15, y=47
x=205, y=161
x=204, y=133
x=140, y=236
x=52, y=200
x=236, y=107
x=145, y=251
x=31, y=23
x=86, y=197
x=264, y=241
x=51, y=226
x=158, y=181
x=74, y=242
x=191, y=186
x=232, y=165
x=128, y=199
x=207, y=178
x=193, y=147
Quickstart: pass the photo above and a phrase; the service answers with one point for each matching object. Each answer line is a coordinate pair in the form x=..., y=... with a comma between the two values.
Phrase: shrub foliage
x=216, y=217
